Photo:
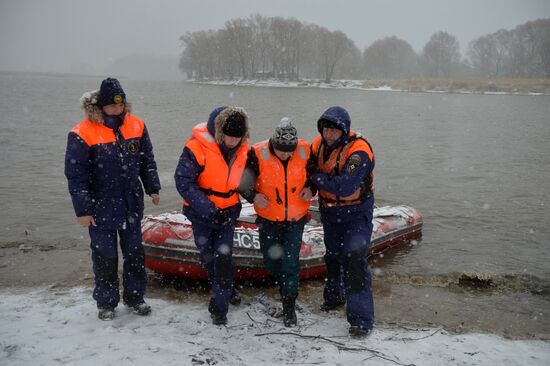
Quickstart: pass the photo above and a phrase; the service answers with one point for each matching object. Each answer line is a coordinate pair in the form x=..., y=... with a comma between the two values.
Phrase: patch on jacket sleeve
x=354, y=162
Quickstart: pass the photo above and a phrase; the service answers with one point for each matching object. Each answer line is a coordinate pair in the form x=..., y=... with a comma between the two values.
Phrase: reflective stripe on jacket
x=281, y=186
x=219, y=180
x=334, y=164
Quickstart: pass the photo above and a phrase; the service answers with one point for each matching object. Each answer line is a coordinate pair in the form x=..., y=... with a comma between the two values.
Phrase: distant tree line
x=260, y=47
x=520, y=52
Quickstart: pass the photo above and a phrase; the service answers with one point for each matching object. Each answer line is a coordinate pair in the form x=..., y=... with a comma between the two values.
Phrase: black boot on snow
x=289, y=310
x=235, y=298
x=141, y=308
x=219, y=319
x=356, y=331
x=328, y=306
x=106, y=314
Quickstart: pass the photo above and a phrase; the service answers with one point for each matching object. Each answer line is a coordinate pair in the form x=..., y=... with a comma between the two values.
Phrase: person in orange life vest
x=109, y=159
x=344, y=177
x=207, y=177
x=276, y=181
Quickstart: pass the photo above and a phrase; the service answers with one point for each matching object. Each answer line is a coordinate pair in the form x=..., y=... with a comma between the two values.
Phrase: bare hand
x=86, y=221
x=155, y=198
x=306, y=194
x=261, y=200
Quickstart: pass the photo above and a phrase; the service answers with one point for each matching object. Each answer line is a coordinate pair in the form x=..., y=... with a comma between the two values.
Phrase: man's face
x=331, y=135
x=231, y=141
x=283, y=155
x=113, y=109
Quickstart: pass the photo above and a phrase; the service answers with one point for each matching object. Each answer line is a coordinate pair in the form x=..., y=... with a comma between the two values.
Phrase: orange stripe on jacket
x=94, y=133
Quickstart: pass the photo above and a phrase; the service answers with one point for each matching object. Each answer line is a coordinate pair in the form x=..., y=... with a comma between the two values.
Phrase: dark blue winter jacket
x=349, y=179
x=106, y=165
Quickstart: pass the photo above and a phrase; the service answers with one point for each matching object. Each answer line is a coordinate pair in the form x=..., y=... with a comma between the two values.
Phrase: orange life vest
x=94, y=133
x=282, y=188
x=219, y=180
x=334, y=165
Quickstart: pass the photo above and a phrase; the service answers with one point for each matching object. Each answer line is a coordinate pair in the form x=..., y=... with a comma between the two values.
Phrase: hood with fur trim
x=219, y=116
x=88, y=103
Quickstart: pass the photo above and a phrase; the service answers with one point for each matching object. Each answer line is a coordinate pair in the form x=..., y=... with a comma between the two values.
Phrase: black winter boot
x=328, y=306
x=106, y=314
x=140, y=308
x=235, y=298
x=359, y=332
x=289, y=310
x=217, y=317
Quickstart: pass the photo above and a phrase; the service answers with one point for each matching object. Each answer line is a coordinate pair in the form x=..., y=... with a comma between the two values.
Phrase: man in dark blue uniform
x=109, y=159
x=344, y=177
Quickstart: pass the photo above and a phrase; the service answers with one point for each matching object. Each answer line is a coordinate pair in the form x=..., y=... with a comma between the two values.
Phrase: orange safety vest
x=334, y=165
x=94, y=133
x=219, y=180
x=282, y=188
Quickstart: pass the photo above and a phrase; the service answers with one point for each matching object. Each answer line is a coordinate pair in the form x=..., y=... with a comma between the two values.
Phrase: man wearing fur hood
x=207, y=177
x=108, y=162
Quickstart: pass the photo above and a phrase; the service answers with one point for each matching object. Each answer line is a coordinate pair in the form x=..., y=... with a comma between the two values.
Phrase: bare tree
x=536, y=37
x=483, y=55
x=332, y=47
x=309, y=53
x=520, y=52
x=350, y=66
x=440, y=54
x=261, y=41
x=200, y=55
x=543, y=46
x=286, y=47
x=240, y=38
x=390, y=58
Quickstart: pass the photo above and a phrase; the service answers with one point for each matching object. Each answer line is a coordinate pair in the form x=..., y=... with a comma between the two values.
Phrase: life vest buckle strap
x=211, y=192
x=338, y=202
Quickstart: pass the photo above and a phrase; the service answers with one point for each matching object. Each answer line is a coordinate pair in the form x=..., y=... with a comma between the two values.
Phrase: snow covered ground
x=52, y=326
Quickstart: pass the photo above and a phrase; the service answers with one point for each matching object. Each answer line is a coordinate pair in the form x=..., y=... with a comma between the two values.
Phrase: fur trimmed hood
x=88, y=103
x=219, y=116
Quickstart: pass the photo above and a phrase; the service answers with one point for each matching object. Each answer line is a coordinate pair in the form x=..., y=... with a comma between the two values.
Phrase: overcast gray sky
x=56, y=35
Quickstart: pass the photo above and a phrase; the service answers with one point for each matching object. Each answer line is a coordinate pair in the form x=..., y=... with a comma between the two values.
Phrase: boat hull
x=170, y=248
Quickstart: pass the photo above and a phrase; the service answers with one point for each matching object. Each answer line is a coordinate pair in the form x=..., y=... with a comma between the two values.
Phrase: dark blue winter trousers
x=348, y=275
x=280, y=243
x=105, y=264
x=216, y=248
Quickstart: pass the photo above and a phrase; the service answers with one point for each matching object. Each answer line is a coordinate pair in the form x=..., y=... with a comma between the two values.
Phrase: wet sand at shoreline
x=399, y=300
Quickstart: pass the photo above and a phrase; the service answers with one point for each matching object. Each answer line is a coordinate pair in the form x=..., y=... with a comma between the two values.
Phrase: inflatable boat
x=170, y=248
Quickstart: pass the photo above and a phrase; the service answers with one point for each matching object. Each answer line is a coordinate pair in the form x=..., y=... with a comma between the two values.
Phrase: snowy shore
x=422, y=86
x=50, y=326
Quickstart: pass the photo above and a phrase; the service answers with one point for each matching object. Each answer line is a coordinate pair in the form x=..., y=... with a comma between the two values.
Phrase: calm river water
x=476, y=166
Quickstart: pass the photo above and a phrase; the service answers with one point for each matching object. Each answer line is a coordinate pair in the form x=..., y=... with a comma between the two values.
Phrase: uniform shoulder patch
x=354, y=162
x=133, y=147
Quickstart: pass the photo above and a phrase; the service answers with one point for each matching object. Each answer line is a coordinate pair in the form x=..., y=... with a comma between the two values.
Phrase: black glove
x=221, y=217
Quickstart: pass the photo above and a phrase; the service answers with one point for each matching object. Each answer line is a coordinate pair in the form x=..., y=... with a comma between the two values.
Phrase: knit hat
x=235, y=125
x=285, y=137
x=110, y=92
